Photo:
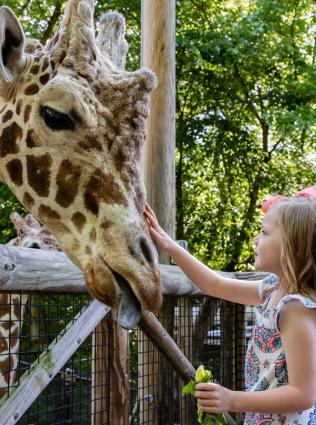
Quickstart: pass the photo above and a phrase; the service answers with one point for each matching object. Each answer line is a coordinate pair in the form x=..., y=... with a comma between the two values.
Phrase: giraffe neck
x=12, y=307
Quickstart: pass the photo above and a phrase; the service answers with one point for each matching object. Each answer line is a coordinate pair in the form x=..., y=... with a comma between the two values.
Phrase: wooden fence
x=25, y=269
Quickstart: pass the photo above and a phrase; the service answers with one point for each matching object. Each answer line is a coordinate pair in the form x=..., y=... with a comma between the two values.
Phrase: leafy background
x=246, y=97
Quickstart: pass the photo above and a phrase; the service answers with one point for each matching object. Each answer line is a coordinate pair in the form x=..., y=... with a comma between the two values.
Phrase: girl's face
x=268, y=245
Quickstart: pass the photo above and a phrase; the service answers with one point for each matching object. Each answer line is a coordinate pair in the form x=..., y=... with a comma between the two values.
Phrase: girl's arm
x=210, y=283
x=298, y=334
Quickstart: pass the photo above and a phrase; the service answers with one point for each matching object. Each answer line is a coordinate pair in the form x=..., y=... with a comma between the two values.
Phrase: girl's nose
x=255, y=240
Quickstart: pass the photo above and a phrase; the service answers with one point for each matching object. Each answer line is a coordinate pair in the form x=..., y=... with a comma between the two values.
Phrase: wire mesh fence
x=208, y=331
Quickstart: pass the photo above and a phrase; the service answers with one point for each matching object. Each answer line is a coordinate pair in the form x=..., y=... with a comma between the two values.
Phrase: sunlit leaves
x=246, y=97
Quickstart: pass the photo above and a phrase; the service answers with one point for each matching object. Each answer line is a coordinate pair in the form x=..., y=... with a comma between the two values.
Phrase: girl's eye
x=263, y=232
x=56, y=120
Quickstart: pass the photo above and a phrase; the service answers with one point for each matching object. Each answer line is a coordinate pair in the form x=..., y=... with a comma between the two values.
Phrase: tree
x=246, y=98
x=246, y=118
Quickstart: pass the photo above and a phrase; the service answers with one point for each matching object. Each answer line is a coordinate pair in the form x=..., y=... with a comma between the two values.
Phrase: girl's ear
x=12, y=41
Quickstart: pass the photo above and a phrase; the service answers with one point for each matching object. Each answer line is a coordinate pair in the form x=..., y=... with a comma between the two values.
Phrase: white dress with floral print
x=265, y=366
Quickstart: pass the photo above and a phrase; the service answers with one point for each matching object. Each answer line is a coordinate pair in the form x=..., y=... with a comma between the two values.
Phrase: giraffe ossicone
x=72, y=126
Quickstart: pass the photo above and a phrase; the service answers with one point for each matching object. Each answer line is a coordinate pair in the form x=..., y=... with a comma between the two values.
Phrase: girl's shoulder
x=305, y=300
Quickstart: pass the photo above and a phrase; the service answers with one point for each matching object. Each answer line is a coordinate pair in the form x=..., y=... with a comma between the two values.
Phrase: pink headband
x=305, y=193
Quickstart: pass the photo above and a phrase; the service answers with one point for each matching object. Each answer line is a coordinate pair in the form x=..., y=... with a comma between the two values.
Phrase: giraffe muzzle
x=110, y=287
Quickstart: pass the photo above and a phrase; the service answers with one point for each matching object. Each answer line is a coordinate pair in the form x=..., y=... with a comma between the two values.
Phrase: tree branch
x=51, y=24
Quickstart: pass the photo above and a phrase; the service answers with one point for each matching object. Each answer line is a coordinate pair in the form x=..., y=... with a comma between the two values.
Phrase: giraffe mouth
x=129, y=312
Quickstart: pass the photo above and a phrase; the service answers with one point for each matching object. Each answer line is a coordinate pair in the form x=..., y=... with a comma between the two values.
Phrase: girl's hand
x=213, y=398
x=157, y=233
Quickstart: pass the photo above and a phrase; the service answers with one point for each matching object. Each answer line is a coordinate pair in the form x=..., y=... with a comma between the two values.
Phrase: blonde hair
x=296, y=219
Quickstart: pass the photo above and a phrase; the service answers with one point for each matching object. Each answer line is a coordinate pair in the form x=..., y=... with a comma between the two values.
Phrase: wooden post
x=100, y=375
x=110, y=373
x=185, y=321
x=158, y=54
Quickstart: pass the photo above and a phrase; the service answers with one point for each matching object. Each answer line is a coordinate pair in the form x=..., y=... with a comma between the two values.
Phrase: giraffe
x=72, y=129
x=30, y=234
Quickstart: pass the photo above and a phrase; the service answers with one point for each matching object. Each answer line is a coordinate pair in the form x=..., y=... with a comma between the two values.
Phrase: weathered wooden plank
x=27, y=269
x=35, y=269
x=50, y=362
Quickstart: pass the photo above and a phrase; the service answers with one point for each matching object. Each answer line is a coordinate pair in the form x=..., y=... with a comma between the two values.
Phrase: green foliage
x=246, y=109
x=246, y=118
x=189, y=388
x=8, y=204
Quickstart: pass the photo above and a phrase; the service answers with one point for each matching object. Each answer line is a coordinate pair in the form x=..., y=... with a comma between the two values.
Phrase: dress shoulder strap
x=268, y=284
x=308, y=303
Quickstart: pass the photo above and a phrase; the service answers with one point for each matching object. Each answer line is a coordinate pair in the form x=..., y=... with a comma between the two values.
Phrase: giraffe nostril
x=146, y=251
x=33, y=245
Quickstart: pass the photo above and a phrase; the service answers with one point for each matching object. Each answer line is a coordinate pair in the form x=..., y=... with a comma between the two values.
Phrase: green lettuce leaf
x=203, y=376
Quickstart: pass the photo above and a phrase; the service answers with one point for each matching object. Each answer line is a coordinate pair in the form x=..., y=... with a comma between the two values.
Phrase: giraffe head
x=30, y=234
x=72, y=125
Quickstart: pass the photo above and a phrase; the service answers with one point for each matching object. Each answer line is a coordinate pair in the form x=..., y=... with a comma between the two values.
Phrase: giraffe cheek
x=101, y=283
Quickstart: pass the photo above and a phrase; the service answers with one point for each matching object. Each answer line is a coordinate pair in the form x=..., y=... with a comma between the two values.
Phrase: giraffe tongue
x=130, y=309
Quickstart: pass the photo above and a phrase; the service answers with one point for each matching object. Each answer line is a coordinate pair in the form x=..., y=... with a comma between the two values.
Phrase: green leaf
x=189, y=388
x=203, y=376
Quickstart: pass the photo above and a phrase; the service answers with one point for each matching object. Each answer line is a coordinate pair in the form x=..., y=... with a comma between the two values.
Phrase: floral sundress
x=265, y=366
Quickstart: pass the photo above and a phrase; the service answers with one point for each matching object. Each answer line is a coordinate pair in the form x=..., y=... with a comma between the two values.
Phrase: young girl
x=280, y=369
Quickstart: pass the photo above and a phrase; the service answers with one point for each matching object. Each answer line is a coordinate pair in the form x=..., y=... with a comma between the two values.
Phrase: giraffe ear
x=11, y=45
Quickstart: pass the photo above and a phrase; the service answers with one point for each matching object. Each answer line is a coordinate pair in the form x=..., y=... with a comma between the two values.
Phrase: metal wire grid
x=209, y=332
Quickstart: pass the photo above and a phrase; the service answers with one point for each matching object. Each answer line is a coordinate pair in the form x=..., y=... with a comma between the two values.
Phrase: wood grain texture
x=27, y=269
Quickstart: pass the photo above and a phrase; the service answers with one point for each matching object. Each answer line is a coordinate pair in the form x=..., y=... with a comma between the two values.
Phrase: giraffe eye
x=56, y=120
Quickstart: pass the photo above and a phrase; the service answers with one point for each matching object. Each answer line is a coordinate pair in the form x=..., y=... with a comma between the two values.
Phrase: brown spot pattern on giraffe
x=90, y=142
x=106, y=224
x=67, y=183
x=38, y=173
x=27, y=113
x=8, y=324
x=44, y=78
x=5, y=366
x=30, y=139
x=13, y=339
x=7, y=116
x=60, y=228
x=78, y=220
x=28, y=201
x=120, y=157
x=19, y=106
x=3, y=344
x=4, y=305
x=8, y=140
x=48, y=213
x=31, y=89
x=15, y=170
x=17, y=309
x=102, y=187
x=35, y=68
